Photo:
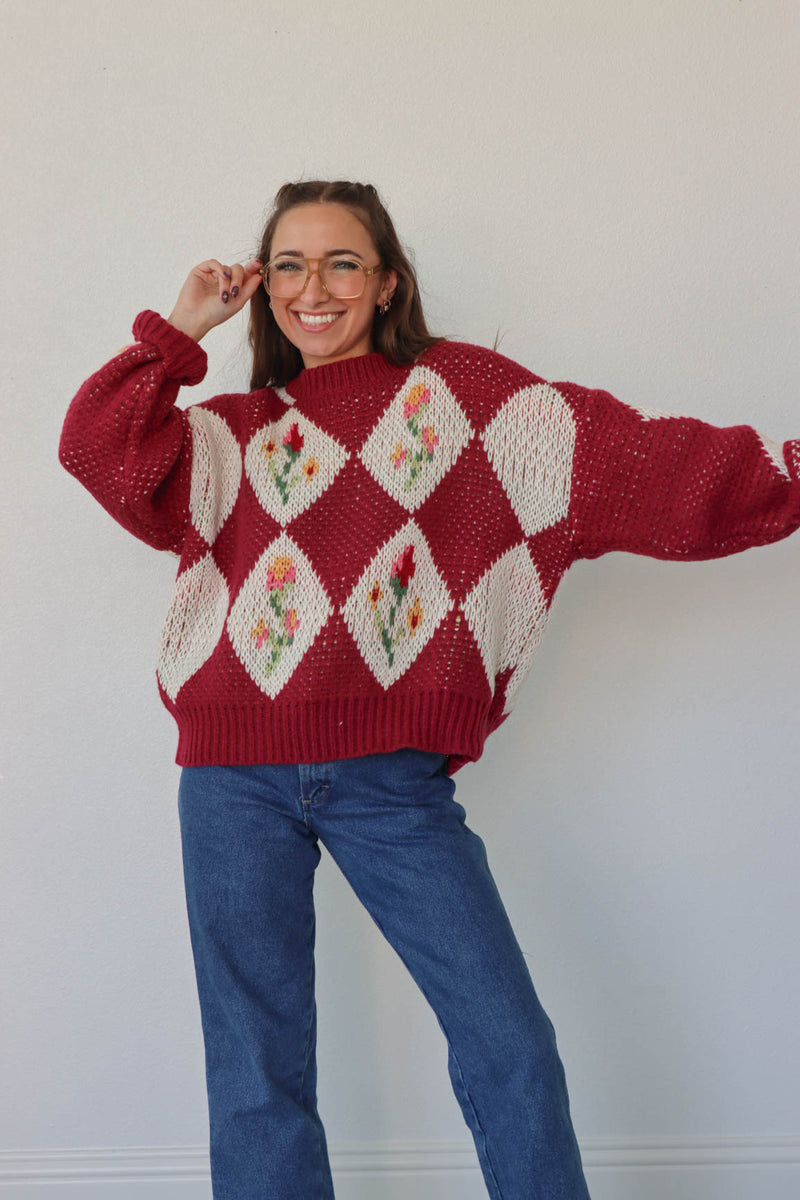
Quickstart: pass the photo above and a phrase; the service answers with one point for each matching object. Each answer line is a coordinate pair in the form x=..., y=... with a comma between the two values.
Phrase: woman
x=370, y=541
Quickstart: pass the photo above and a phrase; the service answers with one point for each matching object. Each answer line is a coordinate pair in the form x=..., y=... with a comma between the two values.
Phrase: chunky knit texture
x=368, y=557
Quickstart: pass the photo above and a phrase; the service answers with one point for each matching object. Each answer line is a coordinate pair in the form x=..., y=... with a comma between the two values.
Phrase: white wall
x=612, y=184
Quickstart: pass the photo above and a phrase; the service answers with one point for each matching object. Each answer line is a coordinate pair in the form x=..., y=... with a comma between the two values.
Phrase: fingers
x=251, y=280
x=234, y=281
x=236, y=278
x=239, y=282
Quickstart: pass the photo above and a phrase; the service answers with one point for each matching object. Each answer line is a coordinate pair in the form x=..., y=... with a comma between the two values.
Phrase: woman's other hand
x=212, y=293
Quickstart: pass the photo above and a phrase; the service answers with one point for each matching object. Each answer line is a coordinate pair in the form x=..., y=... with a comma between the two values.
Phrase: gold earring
x=385, y=305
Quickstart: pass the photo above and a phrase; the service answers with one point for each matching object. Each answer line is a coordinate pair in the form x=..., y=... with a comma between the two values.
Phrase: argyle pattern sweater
x=368, y=557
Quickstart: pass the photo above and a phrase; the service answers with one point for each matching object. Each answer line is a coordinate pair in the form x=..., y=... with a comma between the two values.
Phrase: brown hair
x=401, y=335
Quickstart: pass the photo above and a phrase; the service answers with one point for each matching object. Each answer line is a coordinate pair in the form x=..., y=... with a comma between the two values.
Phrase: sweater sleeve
x=125, y=440
x=675, y=487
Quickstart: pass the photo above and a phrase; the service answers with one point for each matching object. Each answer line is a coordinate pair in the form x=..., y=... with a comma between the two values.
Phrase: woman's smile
x=316, y=322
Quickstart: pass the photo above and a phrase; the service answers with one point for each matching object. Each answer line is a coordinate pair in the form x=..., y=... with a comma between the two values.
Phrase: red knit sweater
x=368, y=557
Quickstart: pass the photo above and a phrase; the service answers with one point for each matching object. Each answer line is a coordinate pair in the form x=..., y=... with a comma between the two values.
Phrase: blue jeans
x=390, y=821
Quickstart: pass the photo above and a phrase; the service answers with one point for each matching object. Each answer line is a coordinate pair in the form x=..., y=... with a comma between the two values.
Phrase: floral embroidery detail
x=426, y=438
x=418, y=395
x=288, y=476
x=281, y=571
x=260, y=633
x=281, y=575
x=391, y=630
x=414, y=616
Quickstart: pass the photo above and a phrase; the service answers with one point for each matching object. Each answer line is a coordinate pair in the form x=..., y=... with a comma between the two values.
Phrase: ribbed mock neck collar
x=327, y=382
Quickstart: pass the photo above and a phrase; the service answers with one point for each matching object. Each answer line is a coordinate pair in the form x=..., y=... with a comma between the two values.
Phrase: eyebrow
x=330, y=254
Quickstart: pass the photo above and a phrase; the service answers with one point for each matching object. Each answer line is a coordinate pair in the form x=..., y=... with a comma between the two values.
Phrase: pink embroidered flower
x=291, y=622
x=430, y=438
x=398, y=454
x=293, y=438
x=418, y=395
x=403, y=567
x=282, y=571
x=260, y=633
x=414, y=616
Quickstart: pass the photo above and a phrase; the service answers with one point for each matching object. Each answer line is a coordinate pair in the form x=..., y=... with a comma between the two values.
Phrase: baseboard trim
x=186, y=1163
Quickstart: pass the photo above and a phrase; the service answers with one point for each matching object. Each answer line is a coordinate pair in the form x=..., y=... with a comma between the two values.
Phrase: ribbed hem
x=184, y=359
x=323, y=730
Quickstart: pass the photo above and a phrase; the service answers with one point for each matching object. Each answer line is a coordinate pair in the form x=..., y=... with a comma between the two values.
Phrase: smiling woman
x=333, y=244
x=389, y=311
x=370, y=541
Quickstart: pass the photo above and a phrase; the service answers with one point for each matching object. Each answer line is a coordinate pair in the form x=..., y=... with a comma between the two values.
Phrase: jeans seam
x=443, y=1028
x=306, y=1061
x=478, y=1123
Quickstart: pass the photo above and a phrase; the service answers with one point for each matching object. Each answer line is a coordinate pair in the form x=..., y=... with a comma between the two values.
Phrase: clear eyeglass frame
x=319, y=269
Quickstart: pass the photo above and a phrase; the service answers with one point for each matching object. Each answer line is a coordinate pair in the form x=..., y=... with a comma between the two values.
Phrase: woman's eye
x=344, y=264
x=286, y=267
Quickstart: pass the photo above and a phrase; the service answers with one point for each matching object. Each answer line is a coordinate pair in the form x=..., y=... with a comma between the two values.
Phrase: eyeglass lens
x=342, y=277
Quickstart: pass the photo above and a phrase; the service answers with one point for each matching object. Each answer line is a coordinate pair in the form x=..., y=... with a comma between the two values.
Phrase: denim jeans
x=390, y=821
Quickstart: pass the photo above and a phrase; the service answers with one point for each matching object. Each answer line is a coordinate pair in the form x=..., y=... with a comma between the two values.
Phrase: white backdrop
x=610, y=185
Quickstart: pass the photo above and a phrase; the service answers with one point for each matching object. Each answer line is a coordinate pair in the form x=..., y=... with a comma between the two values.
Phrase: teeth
x=318, y=318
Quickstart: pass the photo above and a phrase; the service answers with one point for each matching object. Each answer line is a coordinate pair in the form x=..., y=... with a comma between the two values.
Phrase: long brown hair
x=400, y=335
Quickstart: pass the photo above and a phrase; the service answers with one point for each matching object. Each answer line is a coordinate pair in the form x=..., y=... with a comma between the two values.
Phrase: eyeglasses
x=344, y=278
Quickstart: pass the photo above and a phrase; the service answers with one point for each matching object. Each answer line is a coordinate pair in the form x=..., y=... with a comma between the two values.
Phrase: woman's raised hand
x=212, y=293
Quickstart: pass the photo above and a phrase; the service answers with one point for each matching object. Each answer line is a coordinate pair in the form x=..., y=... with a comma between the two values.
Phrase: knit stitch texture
x=368, y=557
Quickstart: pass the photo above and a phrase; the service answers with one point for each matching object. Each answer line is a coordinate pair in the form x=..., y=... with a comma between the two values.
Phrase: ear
x=389, y=284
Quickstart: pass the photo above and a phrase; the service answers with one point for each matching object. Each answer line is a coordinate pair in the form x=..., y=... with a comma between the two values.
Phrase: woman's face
x=317, y=231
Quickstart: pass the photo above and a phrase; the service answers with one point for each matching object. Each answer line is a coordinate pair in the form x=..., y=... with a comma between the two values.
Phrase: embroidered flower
x=391, y=630
x=281, y=575
x=281, y=572
x=293, y=438
x=414, y=616
x=417, y=396
x=403, y=567
x=429, y=439
x=260, y=632
x=425, y=438
x=283, y=467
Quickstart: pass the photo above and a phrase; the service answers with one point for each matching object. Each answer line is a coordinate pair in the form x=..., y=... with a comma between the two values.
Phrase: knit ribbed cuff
x=184, y=359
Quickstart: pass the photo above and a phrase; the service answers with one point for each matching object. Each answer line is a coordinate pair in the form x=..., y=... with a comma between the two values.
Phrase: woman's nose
x=314, y=289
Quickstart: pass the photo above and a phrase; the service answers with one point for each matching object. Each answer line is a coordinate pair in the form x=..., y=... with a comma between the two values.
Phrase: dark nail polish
x=234, y=291
x=224, y=297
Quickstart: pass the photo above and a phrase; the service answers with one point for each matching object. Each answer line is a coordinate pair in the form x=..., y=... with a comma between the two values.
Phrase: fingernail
x=224, y=297
x=234, y=291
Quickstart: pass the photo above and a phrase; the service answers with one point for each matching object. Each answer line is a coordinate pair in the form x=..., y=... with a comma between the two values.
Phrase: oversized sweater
x=368, y=556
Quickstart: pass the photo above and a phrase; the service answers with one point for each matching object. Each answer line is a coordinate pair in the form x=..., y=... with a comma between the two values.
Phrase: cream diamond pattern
x=194, y=624
x=277, y=615
x=507, y=612
x=397, y=605
x=290, y=464
x=417, y=440
x=530, y=443
x=216, y=471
